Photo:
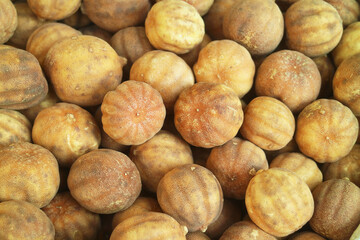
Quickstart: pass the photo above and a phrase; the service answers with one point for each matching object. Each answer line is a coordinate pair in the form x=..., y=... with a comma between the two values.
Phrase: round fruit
x=278, y=201
x=174, y=26
x=226, y=62
x=133, y=113
x=22, y=220
x=14, y=127
x=67, y=130
x=245, y=230
x=8, y=20
x=83, y=69
x=347, y=167
x=234, y=164
x=268, y=123
x=104, y=181
x=313, y=27
x=326, y=130
x=45, y=36
x=208, y=114
x=71, y=221
x=140, y=206
x=340, y=199
x=257, y=25
x=22, y=83
x=304, y=167
x=289, y=76
x=346, y=83
x=29, y=173
x=192, y=195
x=54, y=9
x=159, y=155
x=166, y=72
x=149, y=225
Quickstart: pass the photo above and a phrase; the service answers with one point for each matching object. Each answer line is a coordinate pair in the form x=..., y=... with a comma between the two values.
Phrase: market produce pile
x=179, y=119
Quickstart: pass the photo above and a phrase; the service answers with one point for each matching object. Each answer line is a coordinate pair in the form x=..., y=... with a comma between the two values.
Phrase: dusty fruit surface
x=85, y=79
x=246, y=23
x=22, y=82
x=303, y=166
x=326, y=130
x=347, y=167
x=104, y=181
x=140, y=206
x=226, y=62
x=29, y=173
x=14, y=127
x=8, y=21
x=286, y=72
x=174, y=26
x=245, y=230
x=313, y=27
x=159, y=155
x=268, y=123
x=221, y=117
x=22, y=220
x=67, y=130
x=234, y=164
x=192, y=195
x=150, y=225
x=340, y=199
x=279, y=202
x=72, y=221
x=208, y=114
x=132, y=113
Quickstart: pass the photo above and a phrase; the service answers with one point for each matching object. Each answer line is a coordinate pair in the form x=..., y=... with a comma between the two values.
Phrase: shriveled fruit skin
x=174, y=26
x=245, y=230
x=140, y=206
x=149, y=225
x=83, y=69
x=132, y=113
x=258, y=25
x=227, y=62
x=278, y=201
x=307, y=236
x=14, y=127
x=22, y=220
x=71, y=221
x=349, y=10
x=192, y=195
x=234, y=164
x=313, y=27
x=166, y=72
x=346, y=83
x=67, y=130
x=347, y=167
x=29, y=173
x=104, y=181
x=289, y=76
x=340, y=199
x=118, y=14
x=159, y=155
x=268, y=123
x=22, y=82
x=208, y=114
x=303, y=166
x=43, y=37
x=27, y=23
x=347, y=46
x=54, y=9
x=8, y=20
x=326, y=130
